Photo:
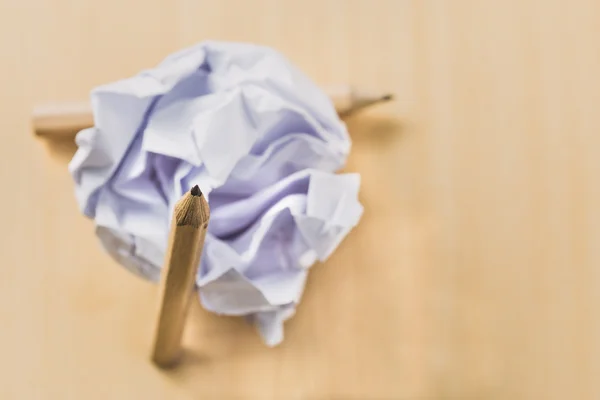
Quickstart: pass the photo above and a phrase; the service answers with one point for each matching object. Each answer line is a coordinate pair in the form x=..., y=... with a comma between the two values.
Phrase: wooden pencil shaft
x=64, y=120
x=176, y=294
x=186, y=241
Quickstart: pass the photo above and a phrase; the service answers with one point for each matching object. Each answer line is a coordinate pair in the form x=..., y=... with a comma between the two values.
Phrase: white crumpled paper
x=261, y=141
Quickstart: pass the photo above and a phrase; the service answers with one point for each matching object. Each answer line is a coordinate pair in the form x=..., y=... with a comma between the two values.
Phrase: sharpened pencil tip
x=196, y=191
x=387, y=97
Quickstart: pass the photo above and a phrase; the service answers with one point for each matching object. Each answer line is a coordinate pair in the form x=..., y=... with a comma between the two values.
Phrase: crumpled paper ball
x=263, y=143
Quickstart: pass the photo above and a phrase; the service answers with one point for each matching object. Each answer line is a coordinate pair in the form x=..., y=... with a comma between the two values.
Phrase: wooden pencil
x=186, y=241
x=64, y=120
x=348, y=99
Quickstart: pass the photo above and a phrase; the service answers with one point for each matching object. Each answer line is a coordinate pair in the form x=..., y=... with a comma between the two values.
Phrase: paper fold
x=264, y=144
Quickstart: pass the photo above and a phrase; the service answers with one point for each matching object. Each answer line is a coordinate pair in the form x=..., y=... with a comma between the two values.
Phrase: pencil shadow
x=374, y=130
x=211, y=342
x=61, y=150
x=189, y=359
x=364, y=129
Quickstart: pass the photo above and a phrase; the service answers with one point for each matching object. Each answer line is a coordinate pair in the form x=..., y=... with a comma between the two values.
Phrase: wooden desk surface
x=475, y=273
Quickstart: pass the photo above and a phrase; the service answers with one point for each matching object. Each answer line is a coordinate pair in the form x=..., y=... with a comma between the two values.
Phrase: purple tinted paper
x=262, y=142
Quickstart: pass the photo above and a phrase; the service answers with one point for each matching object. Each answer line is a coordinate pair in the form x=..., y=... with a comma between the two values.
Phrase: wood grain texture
x=474, y=274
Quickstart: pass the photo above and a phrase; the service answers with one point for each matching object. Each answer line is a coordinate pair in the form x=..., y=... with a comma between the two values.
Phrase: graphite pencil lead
x=196, y=191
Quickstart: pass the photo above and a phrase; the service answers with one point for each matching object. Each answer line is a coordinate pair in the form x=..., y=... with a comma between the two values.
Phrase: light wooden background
x=475, y=273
